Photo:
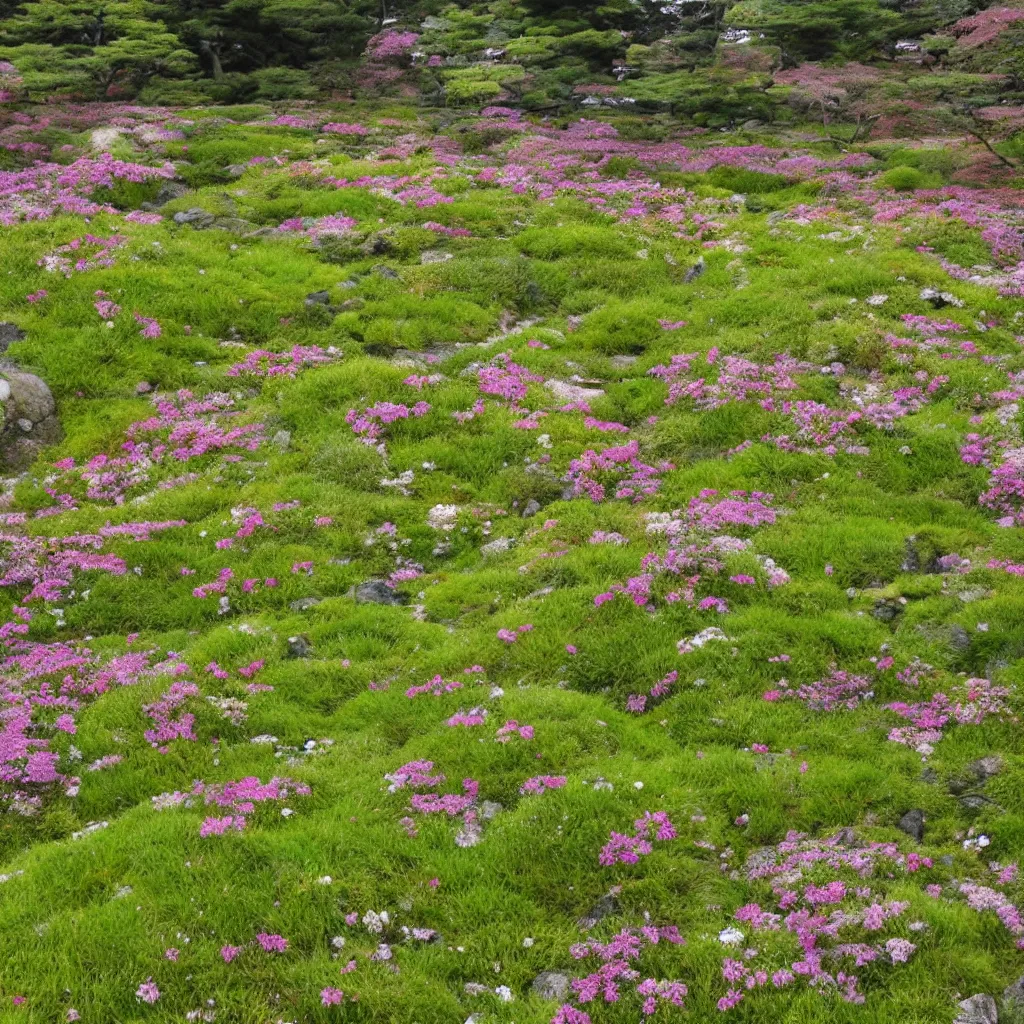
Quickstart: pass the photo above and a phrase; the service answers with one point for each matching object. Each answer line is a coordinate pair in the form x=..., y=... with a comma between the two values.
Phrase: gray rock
x=550, y=985
x=974, y=802
x=377, y=592
x=604, y=907
x=235, y=170
x=435, y=256
x=979, y=1009
x=196, y=217
x=929, y=775
x=1013, y=1001
x=383, y=271
x=304, y=604
x=913, y=824
x=490, y=809
x=986, y=767
x=376, y=244
x=9, y=333
x=911, y=556
x=318, y=298
x=169, y=191
x=532, y=508
x=939, y=299
x=236, y=225
x=299, y=647
x=282, y=440
x=695, y=271
x=29, y=417
x=959, y=638
x=887, y=611
x=972, y=595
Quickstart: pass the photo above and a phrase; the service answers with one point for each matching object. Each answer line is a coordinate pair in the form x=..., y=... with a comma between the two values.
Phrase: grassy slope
x=63, y=924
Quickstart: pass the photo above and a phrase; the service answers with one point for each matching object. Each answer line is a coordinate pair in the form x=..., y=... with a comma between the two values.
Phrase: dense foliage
x=494, y=568
x=710, y=59
x=511, y=512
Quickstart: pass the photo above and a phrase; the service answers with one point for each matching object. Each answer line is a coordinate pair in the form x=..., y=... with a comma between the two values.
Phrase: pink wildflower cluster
x=542, y=783
x=366, y=425
x=616, y=960
x=90, y=252
x=838, y=690
x=637, y=702
x=169, y=721
x=507, y=379
x=628, y=849
x=593, y=472
x=261, y=363
x=510, y=636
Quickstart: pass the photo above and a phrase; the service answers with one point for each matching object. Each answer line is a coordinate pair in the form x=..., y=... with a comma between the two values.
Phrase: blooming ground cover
x=566, y=580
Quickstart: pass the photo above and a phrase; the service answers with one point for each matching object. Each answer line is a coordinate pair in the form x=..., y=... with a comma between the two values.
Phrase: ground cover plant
x=492, y=568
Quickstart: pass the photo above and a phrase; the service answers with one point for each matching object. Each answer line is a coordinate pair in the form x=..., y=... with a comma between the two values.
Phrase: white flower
x=443, y=517
x=730, y=936
x=504, y=993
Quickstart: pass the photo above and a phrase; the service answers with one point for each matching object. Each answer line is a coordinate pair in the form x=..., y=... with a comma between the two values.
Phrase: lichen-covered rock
x=29, y=418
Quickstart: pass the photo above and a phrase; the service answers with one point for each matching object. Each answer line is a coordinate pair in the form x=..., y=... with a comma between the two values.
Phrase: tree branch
x=999, y=156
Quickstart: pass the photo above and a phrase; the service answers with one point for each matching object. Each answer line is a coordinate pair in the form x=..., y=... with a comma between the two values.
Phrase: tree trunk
x=981, y=138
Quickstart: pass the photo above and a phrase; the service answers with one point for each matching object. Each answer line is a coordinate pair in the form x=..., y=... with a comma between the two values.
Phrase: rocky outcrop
x=29, y=418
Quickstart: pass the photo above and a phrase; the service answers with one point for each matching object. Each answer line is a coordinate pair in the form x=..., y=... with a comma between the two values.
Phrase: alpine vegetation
x=511, y=513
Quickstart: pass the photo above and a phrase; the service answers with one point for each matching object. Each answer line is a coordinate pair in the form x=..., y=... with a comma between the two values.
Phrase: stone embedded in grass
x=29, y=417
x=377, y=592
x=550, y=985
x=986, y=767
x=195, y=217
x=913, y=824
x=299, y=647
x=10, y=333
x=979, y=1009
x=886, y=610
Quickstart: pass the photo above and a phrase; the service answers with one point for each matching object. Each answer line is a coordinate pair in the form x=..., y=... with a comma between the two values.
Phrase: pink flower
x=331, y=996
x=147, y=991
x=272, y=943
x=229, y=953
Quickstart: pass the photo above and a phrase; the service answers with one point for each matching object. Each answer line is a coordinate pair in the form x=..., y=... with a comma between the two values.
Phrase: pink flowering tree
x=385, y=58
